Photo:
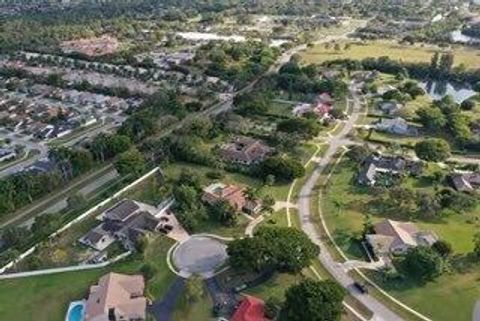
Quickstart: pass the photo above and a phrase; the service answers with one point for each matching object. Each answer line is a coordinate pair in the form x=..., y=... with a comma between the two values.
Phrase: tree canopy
x=313, y=301
x=422, y=263
x=280, y=248
x=433, y=150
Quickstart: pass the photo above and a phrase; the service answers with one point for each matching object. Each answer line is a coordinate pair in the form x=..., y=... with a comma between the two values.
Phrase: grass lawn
x=46, y=298
x=452, y=296
x=156, y=254
x=276, y=286
x=281, y=108
x=148, y=191
x=197, y=311
x=278, y=218
x=387, y=138
x=216, y=228
x=417, y=53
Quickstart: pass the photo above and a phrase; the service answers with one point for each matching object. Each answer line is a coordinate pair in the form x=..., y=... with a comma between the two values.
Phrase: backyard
x=21, y=298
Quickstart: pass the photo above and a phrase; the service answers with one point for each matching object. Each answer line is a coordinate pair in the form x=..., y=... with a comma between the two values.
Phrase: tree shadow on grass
x=350, y=243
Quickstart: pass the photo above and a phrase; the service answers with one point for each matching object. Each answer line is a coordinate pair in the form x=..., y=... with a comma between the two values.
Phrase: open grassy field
x=453, y=295
x=418, y=53
x=46, y=298
x=450, y=297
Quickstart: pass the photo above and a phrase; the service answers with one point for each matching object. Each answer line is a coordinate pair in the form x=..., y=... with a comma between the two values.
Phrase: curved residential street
x=380, y=312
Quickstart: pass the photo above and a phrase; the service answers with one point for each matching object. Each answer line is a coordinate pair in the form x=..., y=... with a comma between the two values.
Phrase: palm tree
x=339, y=205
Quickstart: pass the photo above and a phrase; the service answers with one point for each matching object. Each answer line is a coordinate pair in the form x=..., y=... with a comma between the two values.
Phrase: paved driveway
x=224, y=300
x=476, y=312
x=162, y=309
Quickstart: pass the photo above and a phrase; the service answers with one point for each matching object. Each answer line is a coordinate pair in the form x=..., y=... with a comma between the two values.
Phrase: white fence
x=63, y=269
x=80, y=218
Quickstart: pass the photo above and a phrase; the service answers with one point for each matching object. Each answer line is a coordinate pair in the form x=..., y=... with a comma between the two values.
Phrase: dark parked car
x=360, y=287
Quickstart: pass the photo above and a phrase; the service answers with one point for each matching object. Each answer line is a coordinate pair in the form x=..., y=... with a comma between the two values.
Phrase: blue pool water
x=76, y=313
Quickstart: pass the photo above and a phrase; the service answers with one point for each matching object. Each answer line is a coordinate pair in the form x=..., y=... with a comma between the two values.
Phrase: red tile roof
x=251, y=309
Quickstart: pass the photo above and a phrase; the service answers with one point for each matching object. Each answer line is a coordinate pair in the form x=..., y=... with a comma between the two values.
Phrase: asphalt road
x=163, y=308
x=336, y=269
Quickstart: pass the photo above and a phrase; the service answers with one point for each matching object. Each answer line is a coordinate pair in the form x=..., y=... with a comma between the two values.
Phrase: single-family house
x=116, y=297
x=398, y=126
x=97, y=238
x=127, y=220
x=301, y=109
x=385, y=89
x=250, y=309
x=232, y=194
x=129, y=230
x=391, y=166
x=390, y=107
x=465, y=182
x=394, y=237
x=245, y=151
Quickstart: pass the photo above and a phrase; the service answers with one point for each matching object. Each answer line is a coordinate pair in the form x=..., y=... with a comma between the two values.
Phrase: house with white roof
x=395, y=237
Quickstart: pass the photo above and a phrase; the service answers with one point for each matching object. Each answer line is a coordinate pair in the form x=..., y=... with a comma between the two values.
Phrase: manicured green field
x=418, y=53
x=450, y=297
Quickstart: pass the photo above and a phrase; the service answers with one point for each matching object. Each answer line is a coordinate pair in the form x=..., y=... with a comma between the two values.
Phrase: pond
x=458, y=36
x=439, y=89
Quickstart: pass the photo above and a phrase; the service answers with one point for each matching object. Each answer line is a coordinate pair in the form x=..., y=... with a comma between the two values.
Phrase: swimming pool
x=75, y=311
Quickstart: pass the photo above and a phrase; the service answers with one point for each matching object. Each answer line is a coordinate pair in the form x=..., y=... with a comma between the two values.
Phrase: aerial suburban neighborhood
x=254, y=160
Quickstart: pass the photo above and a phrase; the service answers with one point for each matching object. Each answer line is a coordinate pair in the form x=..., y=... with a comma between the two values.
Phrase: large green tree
x=433, y=150
x=313, y=301
x=130, y=162
x=280, y=248
x=432, y=118
x=422, y=263
x=282, y=168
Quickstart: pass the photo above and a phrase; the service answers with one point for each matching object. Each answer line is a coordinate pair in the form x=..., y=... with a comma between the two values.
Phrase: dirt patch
x=96, y=46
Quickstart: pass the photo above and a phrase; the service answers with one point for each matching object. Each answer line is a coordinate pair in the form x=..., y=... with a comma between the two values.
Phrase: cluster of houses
x=128, y=220
x=121, y=297
x=321, y=107
x=7, y=154
x=392, y=123
x=164, y=70
x=165, y=60
x=46, y=112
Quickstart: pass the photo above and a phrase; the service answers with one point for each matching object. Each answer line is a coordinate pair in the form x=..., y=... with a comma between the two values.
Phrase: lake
x=437, y=90
x=459, y=37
